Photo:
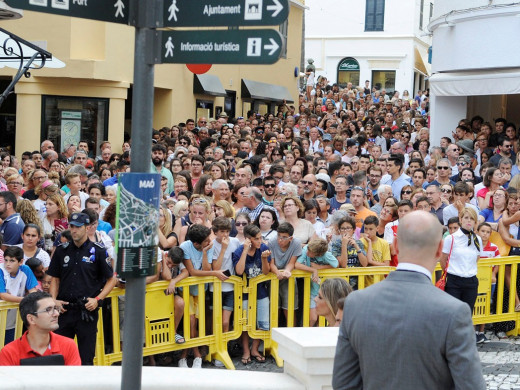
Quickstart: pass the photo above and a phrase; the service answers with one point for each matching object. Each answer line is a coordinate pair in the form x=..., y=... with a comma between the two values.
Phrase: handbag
x=441, y=283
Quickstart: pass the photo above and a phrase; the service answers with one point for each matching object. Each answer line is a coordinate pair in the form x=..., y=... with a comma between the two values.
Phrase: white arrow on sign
x=277, y=7
x=273, y=46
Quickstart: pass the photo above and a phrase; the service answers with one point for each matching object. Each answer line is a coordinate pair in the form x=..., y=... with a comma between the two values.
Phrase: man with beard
x=158, y=153
x=269, y=185
x=309, y=184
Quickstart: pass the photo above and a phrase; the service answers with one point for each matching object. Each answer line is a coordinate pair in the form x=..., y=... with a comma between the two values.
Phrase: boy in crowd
x=73, y=182
x=223, y=249
x=285, y=250
x=489, y=250
x=197, y=260
x=453, y=226
x=15, y=280
x=378, y=250
x=315, y=256
x=253, y=259
x=403, y=207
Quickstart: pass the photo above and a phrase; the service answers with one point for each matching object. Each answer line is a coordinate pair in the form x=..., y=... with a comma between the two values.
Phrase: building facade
x=90, y=98
x=475, y=63
x=383, y=41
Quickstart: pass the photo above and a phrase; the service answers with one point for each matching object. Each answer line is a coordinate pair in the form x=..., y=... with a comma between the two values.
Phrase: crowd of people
x=322, y=185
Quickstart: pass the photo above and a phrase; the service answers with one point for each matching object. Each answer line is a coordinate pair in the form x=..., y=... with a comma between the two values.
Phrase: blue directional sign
x=194, y=13
x=221, y=47
x=115, y=11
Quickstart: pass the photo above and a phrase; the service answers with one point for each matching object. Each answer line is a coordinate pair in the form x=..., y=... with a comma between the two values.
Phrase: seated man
x=40, y=315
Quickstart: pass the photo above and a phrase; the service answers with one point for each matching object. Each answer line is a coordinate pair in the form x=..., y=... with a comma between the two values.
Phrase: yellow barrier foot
x=225, y=359
x=273, y=351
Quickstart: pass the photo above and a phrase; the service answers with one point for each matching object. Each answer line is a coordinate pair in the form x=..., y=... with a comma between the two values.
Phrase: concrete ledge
x=156, y=378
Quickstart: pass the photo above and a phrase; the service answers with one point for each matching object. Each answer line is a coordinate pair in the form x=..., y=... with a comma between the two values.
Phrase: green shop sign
x=349, y=65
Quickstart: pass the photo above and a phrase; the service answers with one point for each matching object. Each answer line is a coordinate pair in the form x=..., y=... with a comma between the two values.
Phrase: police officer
x=81, y=278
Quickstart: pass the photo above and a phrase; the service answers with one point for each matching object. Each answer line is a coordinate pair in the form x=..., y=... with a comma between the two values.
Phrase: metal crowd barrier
x=160, y=322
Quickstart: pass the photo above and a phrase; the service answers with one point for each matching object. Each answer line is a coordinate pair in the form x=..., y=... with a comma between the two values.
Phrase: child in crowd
x=378, y=250
x=16, y=279
x=198, y=255
x=36, y=267
x=253, y=258
x=489, y=250
x=315, y=256
x=46, y=282
x=285, y=250
x=223, y=249
x=404, y=207
x=171, y=271
x=453, y=226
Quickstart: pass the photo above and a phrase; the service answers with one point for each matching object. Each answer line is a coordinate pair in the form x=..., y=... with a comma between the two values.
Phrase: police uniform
x=83, y=272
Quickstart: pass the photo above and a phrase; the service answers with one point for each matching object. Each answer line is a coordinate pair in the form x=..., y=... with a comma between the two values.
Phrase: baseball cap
x=327, y=137
x=79, y=219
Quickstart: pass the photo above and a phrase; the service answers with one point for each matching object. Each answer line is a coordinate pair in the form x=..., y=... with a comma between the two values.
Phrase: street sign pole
x=142, y=113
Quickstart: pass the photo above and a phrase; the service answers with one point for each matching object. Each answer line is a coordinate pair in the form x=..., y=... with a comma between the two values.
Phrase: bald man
x=404, y=333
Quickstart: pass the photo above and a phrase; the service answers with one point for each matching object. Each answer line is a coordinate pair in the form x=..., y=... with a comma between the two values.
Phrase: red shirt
x=11, y=354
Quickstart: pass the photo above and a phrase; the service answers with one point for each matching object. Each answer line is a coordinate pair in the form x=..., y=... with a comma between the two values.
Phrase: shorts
x=194, y=305
x=262, y=312
x=228, y=300
x=283, y=294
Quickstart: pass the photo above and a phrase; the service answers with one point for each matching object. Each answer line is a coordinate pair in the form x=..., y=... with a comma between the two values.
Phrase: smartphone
x=372, y=140
x=227, y=273
x=63, y=222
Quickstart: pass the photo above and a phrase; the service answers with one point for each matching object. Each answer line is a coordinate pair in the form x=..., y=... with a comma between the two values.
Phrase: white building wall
x=335, y=29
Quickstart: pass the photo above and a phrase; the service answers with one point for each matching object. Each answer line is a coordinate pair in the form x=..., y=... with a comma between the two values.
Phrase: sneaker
x=502, y=335
x=218, y=363
x=481, y=338
x=197, y=363
x=183, y=363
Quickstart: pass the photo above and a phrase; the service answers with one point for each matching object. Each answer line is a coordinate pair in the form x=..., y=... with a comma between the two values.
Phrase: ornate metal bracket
x=15, y=49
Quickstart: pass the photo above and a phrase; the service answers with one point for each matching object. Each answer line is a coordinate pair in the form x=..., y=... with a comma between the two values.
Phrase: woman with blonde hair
x=199, y=213
x=293, y=211
x=180, y=209
x=167, y=238
x=55, y=210
x=224, y=209
x=460, y=254
x=331, y=291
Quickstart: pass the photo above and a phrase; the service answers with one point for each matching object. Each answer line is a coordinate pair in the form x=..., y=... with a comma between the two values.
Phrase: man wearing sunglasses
x=269, y=185
x=443, y=173
x=40, y=316
x=505, y=149
x=309, y=186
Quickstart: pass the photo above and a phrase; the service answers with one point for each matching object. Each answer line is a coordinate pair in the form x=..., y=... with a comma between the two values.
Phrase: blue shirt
x=195, y=256
x=12, y=229
x=104, y=226
x=327, y=259
x=253, y=267
x=26, y=275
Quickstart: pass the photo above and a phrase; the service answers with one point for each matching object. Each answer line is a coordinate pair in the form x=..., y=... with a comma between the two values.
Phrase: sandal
x=259, y=358
x=179, y=339
x=246, y=360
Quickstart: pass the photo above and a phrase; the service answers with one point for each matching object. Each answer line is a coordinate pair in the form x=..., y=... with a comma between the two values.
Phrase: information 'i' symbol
x=254, y=47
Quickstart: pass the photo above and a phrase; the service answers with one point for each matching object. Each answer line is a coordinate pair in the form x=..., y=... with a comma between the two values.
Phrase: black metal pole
x=142, y=114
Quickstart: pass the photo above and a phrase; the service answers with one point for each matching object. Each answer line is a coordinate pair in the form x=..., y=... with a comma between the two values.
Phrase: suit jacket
x=404, y=333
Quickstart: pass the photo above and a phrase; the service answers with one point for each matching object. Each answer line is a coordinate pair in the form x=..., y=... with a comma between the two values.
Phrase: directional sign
x=115, y=11
x=221, y=47
x=194, y=13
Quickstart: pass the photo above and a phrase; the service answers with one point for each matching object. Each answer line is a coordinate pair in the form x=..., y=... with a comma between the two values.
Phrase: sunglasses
x=198, y=200
x=269, y=185
x=446, y=168
x=240, y=223
x=407, y=192
x=446, y=191
x=306, y=182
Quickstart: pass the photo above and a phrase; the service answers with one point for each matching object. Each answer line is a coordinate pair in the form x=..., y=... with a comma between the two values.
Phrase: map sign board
x=137, y=220
x=194, y=13
x=221, y=47
x=115, y=11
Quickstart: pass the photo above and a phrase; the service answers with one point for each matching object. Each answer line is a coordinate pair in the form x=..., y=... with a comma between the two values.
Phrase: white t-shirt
x=40, y=255
x=463, y=259
x=227, y=261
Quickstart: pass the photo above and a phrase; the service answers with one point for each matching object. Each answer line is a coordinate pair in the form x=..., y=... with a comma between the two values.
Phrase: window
x=421, y=15
x=375, y=15
x=67, y=120
x=348, y=72
x=431, y=11
x=384, y=79
x=283, y=31
x=203, y=108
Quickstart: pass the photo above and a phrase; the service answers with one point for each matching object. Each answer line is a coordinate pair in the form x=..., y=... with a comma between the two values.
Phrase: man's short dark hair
x=14, y=251
x=334, y=166
x=286, y=227
x=422, y=171
x=266, y=179
x=461, y=187
x=198, y=158
x=405, y=202
x=158, y=148
x=371, y=220
x=29, y=304
x=8, y=196
x=198, y=233
x=276, y=169
x=176, y=254
x=398, y=160
x=91, y=200
x=99, y=186
x=221, y=223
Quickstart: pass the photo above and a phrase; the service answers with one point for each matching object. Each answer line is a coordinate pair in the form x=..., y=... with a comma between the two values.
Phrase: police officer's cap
x=79, y=219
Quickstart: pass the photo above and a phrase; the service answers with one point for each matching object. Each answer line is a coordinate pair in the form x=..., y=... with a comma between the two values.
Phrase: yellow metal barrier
x=160, y=320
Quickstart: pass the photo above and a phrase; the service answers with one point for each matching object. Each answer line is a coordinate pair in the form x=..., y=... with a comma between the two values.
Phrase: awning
x=419, y=64
x=263, y=91
x=208, y=84
x=475, y=83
